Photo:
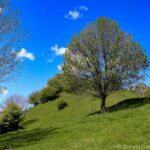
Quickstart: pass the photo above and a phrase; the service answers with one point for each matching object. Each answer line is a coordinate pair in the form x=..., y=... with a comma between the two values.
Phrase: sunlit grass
x=47, y=128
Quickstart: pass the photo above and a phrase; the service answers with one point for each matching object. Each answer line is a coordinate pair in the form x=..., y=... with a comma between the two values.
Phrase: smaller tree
x=10, y=37
x=12, y=111
x=42, y=96
x=48, y=94
x=74, y=84
x=57, y=82
x=11, y=116
x=140, y=89
x=16, y=99
x=61, y=83
x=34, y=98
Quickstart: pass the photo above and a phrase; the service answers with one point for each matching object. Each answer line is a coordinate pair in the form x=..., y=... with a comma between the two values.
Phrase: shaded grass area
x=25, y=137
x=47, y=128
x=126, y=104
x=29, y=122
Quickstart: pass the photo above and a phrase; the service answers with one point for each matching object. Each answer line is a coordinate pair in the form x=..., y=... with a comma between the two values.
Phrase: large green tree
x=106, y=57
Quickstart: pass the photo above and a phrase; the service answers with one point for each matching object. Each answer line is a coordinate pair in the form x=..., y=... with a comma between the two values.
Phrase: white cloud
x=24, y=54
x=83, y=8
x=59, y=67
x=76, y=13
x=50, y=60
x=58, y=50
x=4, y=91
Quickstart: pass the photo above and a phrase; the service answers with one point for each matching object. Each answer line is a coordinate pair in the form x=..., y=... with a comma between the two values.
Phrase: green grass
x=75, y=128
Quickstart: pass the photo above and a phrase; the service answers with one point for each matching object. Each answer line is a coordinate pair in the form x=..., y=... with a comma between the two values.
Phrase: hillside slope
x=80, y=125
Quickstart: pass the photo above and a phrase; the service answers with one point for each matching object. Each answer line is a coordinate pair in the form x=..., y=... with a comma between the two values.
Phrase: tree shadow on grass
x=126, y=104
x=25, y=137
x=29, y=122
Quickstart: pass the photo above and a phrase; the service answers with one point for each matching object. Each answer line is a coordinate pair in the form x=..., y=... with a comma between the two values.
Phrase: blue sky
x=51, y=24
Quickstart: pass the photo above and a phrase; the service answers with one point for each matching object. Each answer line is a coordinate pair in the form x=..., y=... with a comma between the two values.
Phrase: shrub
x=62, y=104
x=10, y=117
x=57, y=82
x=147, y=93
x=20, y=100
x=140, y=89
x=48, y=94
x=34, y=98
x=61, y=83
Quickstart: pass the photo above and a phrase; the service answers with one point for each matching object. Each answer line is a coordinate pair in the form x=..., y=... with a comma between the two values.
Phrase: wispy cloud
x=76, y=13
x=84, y=8
x=24, y=54
x=59, y=67
x=50, y=60
x=58, y=50
x=44, y=9
x=4, y=91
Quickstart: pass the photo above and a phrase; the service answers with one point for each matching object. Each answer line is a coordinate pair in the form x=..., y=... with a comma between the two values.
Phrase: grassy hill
x=81, y=126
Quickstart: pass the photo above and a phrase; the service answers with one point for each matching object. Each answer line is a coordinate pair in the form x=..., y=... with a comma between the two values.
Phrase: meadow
x=81, y=125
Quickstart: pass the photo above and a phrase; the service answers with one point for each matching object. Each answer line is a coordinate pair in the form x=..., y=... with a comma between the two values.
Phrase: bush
x=57, y=82
x=140, y=89
x=10, y=117
x=54, y=87
x=20, y=100
x=48, y=94
x=34, y=98
x=61, y=83
x=147, y=93
x=61, y=105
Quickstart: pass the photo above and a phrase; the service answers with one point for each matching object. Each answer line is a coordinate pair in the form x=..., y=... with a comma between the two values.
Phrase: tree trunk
x=103, y=107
